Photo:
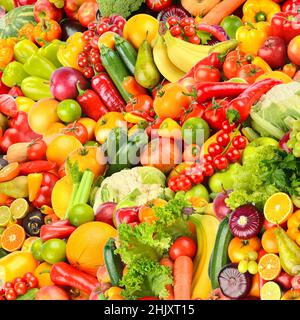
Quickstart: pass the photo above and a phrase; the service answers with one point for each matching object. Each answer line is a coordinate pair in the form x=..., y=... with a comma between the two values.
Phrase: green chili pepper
x=24, y=49
x=39, y=66
x=13, y=74
x=49, y=51
x=36, y=88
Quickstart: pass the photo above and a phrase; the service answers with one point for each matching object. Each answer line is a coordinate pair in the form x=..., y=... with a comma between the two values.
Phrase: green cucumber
x=29, y=295
x=219, y=257
x=116, y=69
x=113, y=262
x=127, y=53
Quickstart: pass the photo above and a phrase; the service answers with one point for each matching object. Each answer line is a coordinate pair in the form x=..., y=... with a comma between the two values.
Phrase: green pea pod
x=49, y=51
x=36, y=88
x=39, y=66
x=24, y=49
x=224, y=47
x=14, y=74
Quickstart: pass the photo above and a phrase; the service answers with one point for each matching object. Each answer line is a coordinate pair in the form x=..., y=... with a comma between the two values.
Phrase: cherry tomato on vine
x=223, y=138
x=220, y=162
x=233, y=155
x=20, y=288
x=172, y=21
x=207, y=74
x=175, y=30
x=227, y=126
x=208, y=170
x=183, y=246
x=215, y=113
x=194, y=39
x=214, y=149
x=239, y=142
x=10, y=294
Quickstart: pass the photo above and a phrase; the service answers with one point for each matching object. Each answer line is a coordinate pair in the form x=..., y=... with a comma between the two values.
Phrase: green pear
x=145, y=71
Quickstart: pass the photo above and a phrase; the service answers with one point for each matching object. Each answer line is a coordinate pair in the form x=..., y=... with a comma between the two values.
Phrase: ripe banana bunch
x=206, y=229
x=163, y=63
x=182, y=54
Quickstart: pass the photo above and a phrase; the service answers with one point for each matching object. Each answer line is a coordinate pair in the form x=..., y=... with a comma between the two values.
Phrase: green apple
x=198, y=191
x=223, y=179
x=252, y=146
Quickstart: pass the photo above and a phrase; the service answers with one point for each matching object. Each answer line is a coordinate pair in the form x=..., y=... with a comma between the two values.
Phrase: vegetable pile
x=149, y=150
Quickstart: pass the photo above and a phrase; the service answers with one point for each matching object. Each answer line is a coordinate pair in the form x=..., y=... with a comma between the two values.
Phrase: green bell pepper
x=39, y=66
x=49, y=51
x=24, y=49
x=36, y=88
x=14, y=74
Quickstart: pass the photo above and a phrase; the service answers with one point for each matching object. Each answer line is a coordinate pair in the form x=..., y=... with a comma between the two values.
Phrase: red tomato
x=141, y=104
x=158, y=5
x=233, y=62
x=37, y=150
x=20, y=288
x=215, y=113
x=194, y=110
x=78, y=131
x=250, y=72
x=207, y=74
x=87, y=12
x=183, y=246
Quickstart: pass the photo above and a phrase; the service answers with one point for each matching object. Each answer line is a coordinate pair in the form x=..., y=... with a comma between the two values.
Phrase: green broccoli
x=123, y=8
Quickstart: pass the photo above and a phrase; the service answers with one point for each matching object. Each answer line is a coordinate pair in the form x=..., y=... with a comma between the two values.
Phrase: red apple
x=52, y=293
x=296, y=282
x=284, y=280
x=126, y=215
x=71, y=8
x=44, y=9
x=274, y=52
x=105, y=212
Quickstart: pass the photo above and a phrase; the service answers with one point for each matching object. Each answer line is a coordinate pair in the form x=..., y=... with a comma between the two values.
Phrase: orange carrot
x=221, y=10
x=170, y=289
x=183, y=274
x=199, y=8
x=168, y=263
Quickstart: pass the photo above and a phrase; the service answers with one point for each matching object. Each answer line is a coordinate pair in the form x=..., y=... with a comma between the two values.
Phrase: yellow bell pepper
x=24, y=103
x=169, y=128
x=34, y=184
x=278, y=75
x=132, y=118
x=259, y=10
x=258, y=61
x=67, y=54
x=252, y=36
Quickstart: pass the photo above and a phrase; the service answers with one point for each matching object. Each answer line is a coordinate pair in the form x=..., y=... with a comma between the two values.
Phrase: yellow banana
x=163, y=63
x=201, y=286
x=181, y=55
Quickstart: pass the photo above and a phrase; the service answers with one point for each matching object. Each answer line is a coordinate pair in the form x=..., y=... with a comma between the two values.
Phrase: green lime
x=195, y=130
x=5, y=216
x=19, y=208
x=54, y=250
x=68, y=110
x=36, y=249
x=230, y=24
x=80, y=214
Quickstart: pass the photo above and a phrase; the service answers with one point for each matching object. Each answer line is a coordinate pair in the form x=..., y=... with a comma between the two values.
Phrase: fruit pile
x=163, y=135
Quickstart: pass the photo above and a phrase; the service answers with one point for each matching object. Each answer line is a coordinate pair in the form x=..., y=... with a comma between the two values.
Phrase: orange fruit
x=278, y=208
x=12, y=238
x=269, y=242
x=86, y=244
x=269, y=266
x=293, y=294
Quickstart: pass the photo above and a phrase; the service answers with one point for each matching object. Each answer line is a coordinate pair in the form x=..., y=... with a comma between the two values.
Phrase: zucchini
x=127, y=53
x=29, y=295
x=219, y=257
x=113, y=262
x=116, y=69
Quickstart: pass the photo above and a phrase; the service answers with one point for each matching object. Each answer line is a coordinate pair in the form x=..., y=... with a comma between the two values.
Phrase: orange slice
x=26, y=246
x=278, y=208
x=12, y=238
x=269, y=266
x=270, y=291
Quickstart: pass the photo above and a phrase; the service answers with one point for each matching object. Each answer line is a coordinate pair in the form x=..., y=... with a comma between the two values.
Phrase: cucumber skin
x=219, y=257
x=112, y=265
x=127, y=54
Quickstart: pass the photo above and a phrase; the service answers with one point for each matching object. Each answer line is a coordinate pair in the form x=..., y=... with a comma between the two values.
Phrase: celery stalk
x=80, y=189
x=84, y=195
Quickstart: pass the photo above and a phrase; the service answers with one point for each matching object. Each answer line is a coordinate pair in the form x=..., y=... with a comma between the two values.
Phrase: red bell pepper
x=37, y=166
x=16, y=92
x=8, y=105
x=50, y=231
x=291, y=5
x=109, y=94
x=19, y=131
x=91, y=104
x=63, y=274
x=238, y=110
x=3, y=88
x=286, y=25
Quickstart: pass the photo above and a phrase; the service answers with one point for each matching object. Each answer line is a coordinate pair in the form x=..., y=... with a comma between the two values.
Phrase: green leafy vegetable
x=146, y=278
x=204, y=36
x=123, y=8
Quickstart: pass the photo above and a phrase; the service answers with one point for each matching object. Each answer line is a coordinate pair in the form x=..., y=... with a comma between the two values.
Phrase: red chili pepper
x=109, y=94
x=216, y=31
x=50, y=231
x=16, y=92
x=3, y=88
x=143, y=115
x=207, y=90
x=91, y=104
x=63, y=274
x=238, y=110
x=8, y=105
x=61, y=223
x=215, y=59
x=19, y=131
x=37, y=166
